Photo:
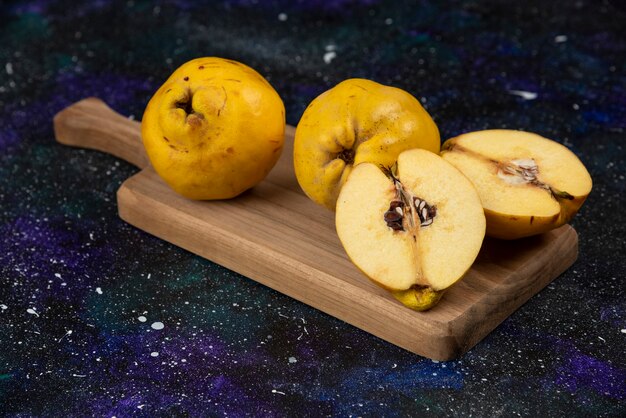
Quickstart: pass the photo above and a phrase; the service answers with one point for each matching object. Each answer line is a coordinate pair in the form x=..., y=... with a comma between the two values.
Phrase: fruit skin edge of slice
x=421, y=297
x=507, y=226
x=418, y=298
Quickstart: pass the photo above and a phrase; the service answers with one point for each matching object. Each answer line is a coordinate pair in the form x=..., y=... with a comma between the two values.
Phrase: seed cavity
x=425, y=211
x=394, y=216
x=525, y=171
x=518, y=171
x=406, y=211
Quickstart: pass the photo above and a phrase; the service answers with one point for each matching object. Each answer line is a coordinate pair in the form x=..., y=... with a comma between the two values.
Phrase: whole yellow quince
x=354, y=122
x=214, y=129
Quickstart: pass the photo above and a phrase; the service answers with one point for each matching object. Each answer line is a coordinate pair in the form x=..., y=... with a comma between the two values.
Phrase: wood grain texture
x=275, y=235
x=92, y=124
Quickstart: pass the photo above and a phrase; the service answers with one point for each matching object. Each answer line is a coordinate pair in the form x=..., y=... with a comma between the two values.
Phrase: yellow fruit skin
x=418, y=299
x=214, y=129
x=373, y=122
x=509, y=227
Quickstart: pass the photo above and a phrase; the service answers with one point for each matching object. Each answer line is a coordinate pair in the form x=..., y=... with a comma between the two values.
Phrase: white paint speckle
x=388, y=21
x=149, y=275
x=526, y=95
x=3, y=306
x=560, y=39
x=79, y=375
x=140, y=406
x=292, y=360
x=282, y=17
x=32, y=311
x=154, y=354
x=277, y=391
x=329, y=56
x=157, y=325
x=9, y=68
x=142, y=318
x=623, y=330
x=69, y=332
x=99, y=290
x=57, y=275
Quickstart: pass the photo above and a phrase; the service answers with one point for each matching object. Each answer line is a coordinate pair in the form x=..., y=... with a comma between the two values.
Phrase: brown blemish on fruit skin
x=186, y=78
x=223, y=104
x=175, y=148
x=230, y=150
x=232, y=79
x=195, y=119
x=166, y=140
x=532, y=219
x=201, y=67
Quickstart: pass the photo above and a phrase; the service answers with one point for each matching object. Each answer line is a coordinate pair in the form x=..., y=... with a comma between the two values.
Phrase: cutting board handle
x=92, y=124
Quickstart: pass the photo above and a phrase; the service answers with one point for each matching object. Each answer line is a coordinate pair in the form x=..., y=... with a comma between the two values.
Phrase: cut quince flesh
x=527, y=184
x=415, y=230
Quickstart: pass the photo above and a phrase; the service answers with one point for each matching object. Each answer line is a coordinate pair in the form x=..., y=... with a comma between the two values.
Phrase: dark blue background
x=230, y=346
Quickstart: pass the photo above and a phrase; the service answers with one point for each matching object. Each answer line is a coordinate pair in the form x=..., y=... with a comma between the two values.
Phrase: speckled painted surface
x=81, y=292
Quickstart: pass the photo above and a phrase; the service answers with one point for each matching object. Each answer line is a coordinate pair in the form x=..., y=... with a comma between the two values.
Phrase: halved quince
x=414, y=229
x=527, y=184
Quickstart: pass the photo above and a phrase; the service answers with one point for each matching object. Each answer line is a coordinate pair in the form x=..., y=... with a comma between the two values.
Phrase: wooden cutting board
x=275, y=235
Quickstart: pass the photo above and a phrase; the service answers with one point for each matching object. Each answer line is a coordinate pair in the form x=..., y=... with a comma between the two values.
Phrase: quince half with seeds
x=528, y=184
x=415, y=230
